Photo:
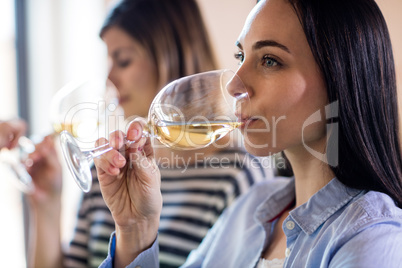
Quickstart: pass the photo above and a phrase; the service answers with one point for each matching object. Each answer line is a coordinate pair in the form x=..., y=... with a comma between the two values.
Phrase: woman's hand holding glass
x=130, y=183
x=10, y=132
x=14, y=150
x=46, y=172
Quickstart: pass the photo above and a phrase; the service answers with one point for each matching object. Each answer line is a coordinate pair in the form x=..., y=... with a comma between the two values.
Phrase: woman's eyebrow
x=121, y=50
x=271, y=43
x=265, y=43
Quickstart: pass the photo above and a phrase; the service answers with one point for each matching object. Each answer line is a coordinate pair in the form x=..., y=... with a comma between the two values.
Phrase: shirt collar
x=276, y=201
x=322, y=205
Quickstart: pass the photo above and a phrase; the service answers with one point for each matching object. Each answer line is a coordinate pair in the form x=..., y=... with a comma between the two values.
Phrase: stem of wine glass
x=98, y=151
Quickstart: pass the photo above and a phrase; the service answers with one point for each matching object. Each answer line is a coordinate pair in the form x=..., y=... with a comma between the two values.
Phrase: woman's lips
x=247, y=121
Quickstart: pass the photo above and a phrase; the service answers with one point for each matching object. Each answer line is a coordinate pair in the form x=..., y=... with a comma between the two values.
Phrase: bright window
x=11, y=224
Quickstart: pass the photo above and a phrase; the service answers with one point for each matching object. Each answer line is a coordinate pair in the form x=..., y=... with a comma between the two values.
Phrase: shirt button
x=287, y=252
x=290, y=225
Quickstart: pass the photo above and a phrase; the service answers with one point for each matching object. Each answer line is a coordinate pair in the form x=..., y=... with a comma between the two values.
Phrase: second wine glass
x=16, y=161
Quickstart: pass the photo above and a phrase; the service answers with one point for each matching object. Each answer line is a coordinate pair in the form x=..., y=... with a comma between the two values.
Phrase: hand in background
x=44, y=244
x=46, y=172
x=10, y=132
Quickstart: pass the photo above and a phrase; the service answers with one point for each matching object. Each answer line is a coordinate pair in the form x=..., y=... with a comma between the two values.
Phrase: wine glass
x=16, y=160
x=80, y=107
x=189, y=113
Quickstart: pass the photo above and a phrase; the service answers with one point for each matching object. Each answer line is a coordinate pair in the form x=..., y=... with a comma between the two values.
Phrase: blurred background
x=45, y=44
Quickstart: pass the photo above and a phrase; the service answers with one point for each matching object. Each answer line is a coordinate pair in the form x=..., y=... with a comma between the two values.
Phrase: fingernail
x=119, y=159
x=133, y=133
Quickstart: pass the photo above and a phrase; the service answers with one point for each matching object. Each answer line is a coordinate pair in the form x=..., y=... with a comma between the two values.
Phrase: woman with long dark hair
x=325, y=69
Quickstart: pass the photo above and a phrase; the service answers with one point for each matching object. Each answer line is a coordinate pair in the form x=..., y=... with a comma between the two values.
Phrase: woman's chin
x=260, y=150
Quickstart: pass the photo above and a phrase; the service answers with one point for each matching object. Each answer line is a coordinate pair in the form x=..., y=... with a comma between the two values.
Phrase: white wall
x=8, y=96
x=392, y=13
x=225, y=19
x=63, y=46
x=11, y=224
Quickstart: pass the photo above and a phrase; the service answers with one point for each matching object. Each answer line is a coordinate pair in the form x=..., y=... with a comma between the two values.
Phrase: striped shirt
x=193, y=199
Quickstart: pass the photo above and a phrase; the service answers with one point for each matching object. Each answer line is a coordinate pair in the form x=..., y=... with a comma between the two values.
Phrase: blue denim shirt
x=337, y=227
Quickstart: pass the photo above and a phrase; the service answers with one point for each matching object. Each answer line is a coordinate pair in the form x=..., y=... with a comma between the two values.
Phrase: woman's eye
x=123, y=63
x=268, y=61
x=239, y=56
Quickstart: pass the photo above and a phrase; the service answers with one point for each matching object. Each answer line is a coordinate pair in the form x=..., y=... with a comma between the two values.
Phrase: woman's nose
x=238, y=90
x=235, y=86
x=112, y=78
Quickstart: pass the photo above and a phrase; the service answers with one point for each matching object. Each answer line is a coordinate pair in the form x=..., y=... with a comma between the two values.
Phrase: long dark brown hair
x=351, y=44
x=172, y=31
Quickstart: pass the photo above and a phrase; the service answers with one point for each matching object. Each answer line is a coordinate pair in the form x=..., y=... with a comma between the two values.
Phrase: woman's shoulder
x=369, y=216
x=373, y=224
x=374, y=208
x=375, y=205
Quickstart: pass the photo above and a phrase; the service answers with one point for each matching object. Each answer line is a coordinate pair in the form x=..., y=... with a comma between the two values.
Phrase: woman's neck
x=311, y=173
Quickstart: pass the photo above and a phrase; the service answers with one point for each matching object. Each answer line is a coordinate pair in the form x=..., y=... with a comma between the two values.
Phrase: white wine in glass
x=78, y=107
x=189, y=113
x=194, y=134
